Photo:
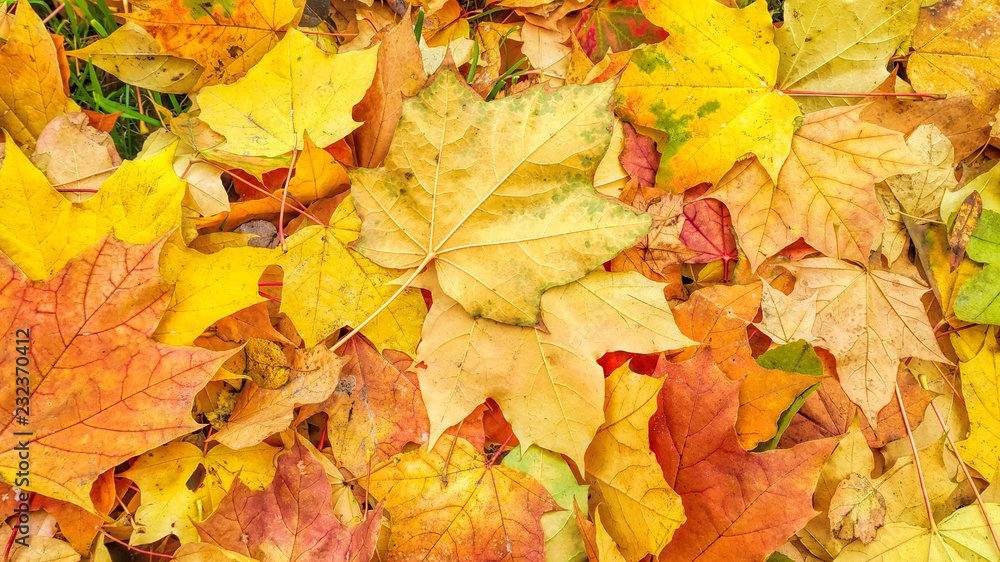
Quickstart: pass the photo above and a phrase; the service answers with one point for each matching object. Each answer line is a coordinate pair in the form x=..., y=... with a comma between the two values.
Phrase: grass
x=80, y=23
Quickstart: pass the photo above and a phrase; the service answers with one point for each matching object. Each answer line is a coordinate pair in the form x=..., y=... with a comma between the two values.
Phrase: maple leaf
x=979, y=381
x=500, y=197
x=527, y=370
x=869, y=320
x=306, y=90
x=169, y=505
x=31, y=93
x=41, y=231
x=718, y=317
x=376, y=408
x=133, y=56
x=563, y=540
x=614, y=25
x=955, y=51
x=834, y=213
x=103, y=391
x=710, y=86
x=207, y=287
x=328, y=286
x=643, y=511
x=963, y=535
x=484, y=512
x=840, y=46
x=734, y=501
x=225, y=38
x=397, y=75
x=291, y=520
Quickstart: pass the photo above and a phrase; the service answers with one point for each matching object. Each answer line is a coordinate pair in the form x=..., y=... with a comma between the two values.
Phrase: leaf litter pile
x=571, y=280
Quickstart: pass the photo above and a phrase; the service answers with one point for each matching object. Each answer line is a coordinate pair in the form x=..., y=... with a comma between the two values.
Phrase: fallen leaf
x=74, y=155
x=979, y=376
x=133, y=56
x=41, y=231
x=954, y=51
x=227, y=39
x=734, y=501
x=563, y=540
x=642, y=511
x=290, y=520
x=31, y=93
x=207, y=287
x=328, y=286
x=294, y=77
x=501, y=223
x=840, y=46
x=485, y=512
x=397, y=75
x=376, y=407
x=85, y=389
x=708, y=230
x=170, y=506
x=920, y=193
x=547, y=382
x=615, y=25
x=835, y=213
x=714, y=117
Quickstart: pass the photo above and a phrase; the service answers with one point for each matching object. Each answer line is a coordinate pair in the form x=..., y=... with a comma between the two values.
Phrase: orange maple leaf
x=99, y=389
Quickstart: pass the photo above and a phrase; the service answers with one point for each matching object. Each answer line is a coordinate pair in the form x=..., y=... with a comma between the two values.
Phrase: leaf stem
x=916, y=459
x=90, y=175
x=406, y=285
x=130, y=547
x=860, y=94
x=965, y=470
x=284, y=197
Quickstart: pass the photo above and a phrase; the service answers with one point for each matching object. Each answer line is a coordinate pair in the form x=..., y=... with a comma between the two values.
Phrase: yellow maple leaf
x=840, y=46
x=711, y=87
x=133, y=56
x=31, y=93
x=498, y=195
x=548, y=382
x=642, y=510
x=836, y=213
x=328, y=286
x=40, y=230
x=295, y=89
x=169, y=505
x=955, y=51
x=225, y=38
x=979, y=383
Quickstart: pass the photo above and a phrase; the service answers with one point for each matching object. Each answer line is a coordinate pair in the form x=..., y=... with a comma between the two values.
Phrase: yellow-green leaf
x=711, y=87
